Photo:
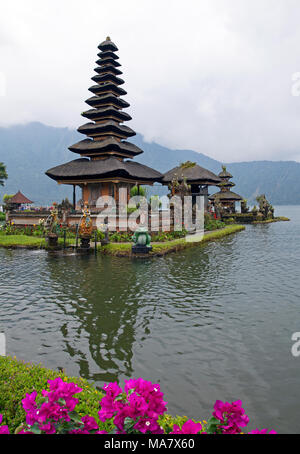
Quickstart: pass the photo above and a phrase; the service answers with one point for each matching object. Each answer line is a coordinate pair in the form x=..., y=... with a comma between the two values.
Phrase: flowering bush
x=3, y=429
x=136, y=409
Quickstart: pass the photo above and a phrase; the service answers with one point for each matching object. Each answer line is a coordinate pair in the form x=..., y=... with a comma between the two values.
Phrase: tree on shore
x=3, y=174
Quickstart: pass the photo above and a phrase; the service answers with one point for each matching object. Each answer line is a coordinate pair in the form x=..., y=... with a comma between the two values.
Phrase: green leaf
x=41, y=399
x=35, y=428
x=121, y=397
x=128, y=424
x=75, y=417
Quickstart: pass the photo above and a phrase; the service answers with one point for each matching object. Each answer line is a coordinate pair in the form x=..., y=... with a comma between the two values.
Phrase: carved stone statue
x=265, y=208
x=52, y=226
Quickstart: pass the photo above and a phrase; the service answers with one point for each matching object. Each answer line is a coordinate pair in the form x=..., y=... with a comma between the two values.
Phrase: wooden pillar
x=85, y=194
x=74, y=196
x=116, y=193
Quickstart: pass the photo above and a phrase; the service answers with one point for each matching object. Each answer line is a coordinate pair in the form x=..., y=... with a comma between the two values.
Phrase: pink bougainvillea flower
x=89, y=423
x=231, y=416
x=48, y=428
x=29, y=402
x=189, y=427
x=3, y=429
x=141, y=401
x=145, y=425
x=262, y=432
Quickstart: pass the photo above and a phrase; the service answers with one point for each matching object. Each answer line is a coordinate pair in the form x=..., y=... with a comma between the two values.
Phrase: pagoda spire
x=106, y=131
x=225, y=176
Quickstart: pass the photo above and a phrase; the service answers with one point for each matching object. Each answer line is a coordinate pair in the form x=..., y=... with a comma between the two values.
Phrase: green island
x=269, y=221
x=118, y=249
x=163, y=248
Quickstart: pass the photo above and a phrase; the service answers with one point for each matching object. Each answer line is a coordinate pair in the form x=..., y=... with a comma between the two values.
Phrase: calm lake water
x=213, y=322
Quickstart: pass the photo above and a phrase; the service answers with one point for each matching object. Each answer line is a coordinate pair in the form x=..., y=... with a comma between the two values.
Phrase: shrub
x=211, y=223
x=19, y=378
x=53, y=403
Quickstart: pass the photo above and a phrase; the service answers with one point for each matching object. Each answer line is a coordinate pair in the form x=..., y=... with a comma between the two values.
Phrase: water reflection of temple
x=103, y=315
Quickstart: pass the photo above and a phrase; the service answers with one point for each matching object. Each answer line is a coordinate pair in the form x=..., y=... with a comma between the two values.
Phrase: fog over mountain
x=29, y=150
x=220, y=77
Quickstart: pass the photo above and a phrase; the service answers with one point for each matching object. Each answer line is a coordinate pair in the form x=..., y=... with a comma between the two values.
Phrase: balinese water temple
x=106, y=159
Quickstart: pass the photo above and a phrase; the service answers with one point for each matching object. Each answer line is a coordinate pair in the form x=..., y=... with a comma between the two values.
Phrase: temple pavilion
x=195, y=176
x=106, y=159
x=18, y=200
x=225, y=199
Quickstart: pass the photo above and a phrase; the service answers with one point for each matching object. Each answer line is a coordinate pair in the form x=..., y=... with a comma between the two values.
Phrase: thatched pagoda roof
x=107, y=69
x=84, y=169
x=108, y=87
x=194, y=174
x=100, y=78
x=108, y=54
x=225, y=174
x=106, y=112
x=108, y=45
x=106, y=100
x=109, y=145
x=226, y=196
x=108, y=128
x=19, y=199
x=107, y=61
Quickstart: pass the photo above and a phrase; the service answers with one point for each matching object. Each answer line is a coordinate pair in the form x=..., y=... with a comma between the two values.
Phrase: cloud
x=212, y=76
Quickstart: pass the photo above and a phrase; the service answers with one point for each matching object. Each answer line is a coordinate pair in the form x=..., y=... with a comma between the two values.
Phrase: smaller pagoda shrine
x=18, y=200
x=224, y=201
x=195, y=178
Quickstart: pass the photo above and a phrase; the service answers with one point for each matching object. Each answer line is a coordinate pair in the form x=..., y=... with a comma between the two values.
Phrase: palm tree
x=3, y=174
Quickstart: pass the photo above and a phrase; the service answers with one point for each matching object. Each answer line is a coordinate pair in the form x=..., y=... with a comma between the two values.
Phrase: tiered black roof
x=225, y=194
x=107, y=100
x=107, y=137
x=108, y=45
x=193, y=174
x=83, y=169
x=106, y=113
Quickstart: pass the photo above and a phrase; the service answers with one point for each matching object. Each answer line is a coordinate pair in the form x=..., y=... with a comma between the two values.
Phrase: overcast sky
x=214, y=76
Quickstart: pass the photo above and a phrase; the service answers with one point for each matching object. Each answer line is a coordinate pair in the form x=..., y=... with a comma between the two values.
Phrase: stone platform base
x=138, y=249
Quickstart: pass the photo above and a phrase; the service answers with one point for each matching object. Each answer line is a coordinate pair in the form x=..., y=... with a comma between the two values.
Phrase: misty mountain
x=29, y=150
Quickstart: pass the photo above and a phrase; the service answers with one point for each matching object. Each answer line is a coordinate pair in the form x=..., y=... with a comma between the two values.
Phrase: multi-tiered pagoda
x=103, y=167
x=195, y=176
x=225, y=199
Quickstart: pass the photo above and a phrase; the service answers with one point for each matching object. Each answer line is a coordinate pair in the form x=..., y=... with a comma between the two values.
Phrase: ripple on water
x=210, y=323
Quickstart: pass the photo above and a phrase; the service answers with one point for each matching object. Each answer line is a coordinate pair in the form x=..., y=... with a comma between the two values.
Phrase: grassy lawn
x=27, y=241
x=158, y=249
x=269, y=221
x=120, y=249
x=21, y=240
